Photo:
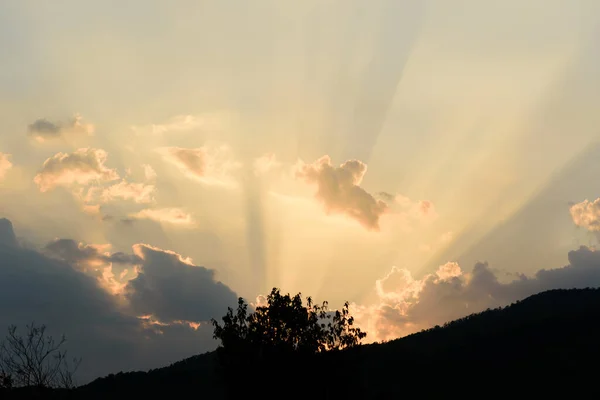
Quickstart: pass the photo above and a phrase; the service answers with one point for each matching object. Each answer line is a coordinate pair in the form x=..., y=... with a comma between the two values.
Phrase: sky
x=422, y=160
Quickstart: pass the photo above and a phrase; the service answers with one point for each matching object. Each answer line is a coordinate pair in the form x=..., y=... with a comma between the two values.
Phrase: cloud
x=172, y=288
x=83, y=166
x=5, y=164
x=170, y=215
x=35, y=286
x=178, y=123
x=339, y=190
x=181, y=123
x=587, y=214
x=265, y=163
x=91, y=209
x=406, y=305
x=94, y=260
x=149, y=172
x=385, y=196
x=78, y=253
x=209, y=165
x=399, y=204
x=137, y=192
x=43, y=129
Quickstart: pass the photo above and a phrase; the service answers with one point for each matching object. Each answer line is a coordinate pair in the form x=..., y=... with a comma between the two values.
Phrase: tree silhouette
x=35, y=360
x=285, y=324
x=280, y=339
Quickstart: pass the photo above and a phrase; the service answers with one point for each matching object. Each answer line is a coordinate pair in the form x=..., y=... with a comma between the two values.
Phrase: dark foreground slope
x=548, y=343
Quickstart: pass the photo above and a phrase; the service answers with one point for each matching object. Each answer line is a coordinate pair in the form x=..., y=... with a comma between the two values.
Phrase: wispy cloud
x=137, y=192
x=209, y=165
x=171, y=215
x=181, y=124
x=265, y=163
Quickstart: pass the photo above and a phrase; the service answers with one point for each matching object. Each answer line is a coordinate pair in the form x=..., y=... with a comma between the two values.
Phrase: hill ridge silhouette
x=542, y=343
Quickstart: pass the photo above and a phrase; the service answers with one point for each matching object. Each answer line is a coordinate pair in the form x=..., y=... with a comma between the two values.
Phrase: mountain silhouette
x=547, y=344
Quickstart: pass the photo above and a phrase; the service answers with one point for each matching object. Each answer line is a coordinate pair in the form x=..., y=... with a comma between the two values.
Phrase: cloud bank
x=407, y=305
x=55, y=288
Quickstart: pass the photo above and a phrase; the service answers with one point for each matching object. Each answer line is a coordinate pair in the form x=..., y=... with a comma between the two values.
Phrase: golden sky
x=348, y=149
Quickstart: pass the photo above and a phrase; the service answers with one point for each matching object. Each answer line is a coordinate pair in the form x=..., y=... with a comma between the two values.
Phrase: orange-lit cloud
x=83, y=166
x=94, y=260
x=587, y=214
x=137, y=192
x=91, y=209
x=338, y=189
x=150, y=321
x=5, y=164
x=170, y=215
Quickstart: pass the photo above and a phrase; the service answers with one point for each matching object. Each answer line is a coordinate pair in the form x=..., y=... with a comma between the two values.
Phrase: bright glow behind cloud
x=5, y=164
x=450, y=107
x=169, y=215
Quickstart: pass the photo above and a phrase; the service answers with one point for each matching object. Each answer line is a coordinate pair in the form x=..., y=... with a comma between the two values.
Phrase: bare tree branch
x=35, y=359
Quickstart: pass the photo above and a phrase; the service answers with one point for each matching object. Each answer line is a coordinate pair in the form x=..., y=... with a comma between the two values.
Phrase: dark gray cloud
x=44, y=129
x=99, y=327
x=172, y=288
x=387, y=197
x=7, y=234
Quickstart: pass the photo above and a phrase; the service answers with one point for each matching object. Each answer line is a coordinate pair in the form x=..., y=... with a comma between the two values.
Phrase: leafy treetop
x=286, y=325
